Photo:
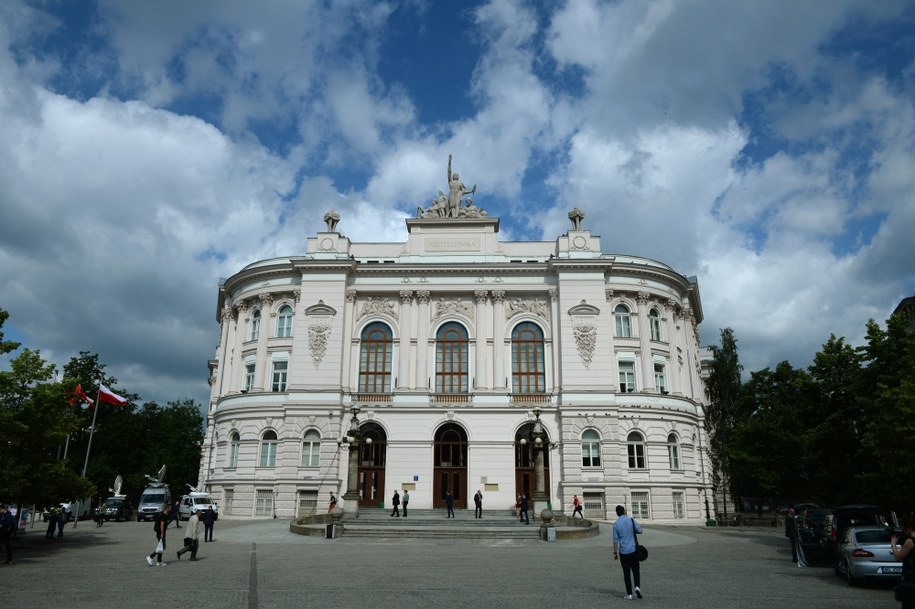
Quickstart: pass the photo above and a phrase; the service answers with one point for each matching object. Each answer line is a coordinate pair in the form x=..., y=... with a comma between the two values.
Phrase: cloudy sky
x=149, y=148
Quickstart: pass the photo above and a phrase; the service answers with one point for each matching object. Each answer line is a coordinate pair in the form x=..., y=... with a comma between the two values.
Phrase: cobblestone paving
x=260, y=565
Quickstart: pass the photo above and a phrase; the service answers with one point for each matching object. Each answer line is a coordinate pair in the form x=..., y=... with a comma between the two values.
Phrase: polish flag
x=107, y=396
x=79, y=394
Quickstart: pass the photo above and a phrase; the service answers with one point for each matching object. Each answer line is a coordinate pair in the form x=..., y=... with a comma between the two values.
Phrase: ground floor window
x=679, y=511
x=229, y=502
x=640, y=506
x=593, y=504
x=263, y=505
x=308, y=502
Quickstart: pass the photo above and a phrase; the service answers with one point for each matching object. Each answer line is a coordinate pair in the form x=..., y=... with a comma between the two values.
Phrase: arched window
x=527, y=359
x=623, y=323
x=451, y=367
x=284, y=322
x=234, y=442
x=254, y=329
x=635, y=445
x=376, y=351
x=268, y=449
x=590, y=448
x=311, y=448
x=673, y=451
x=654, y=320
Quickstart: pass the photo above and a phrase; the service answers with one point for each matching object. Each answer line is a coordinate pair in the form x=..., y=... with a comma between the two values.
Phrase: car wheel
x=848, y=576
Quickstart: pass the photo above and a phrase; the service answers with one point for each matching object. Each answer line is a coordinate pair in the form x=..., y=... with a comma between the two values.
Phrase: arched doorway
x=371, y=465
x=525, y=472
x=450, y=456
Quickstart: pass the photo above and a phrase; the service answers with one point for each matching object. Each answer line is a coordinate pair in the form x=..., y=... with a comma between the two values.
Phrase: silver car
x=864, y=553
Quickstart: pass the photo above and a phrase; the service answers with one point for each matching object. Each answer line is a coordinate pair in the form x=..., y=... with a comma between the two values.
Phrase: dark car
x=813, y=536
x=853, y=516
x=117, y=508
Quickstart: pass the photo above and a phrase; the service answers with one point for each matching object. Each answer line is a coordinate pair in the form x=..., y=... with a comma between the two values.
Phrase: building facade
x=457, y=362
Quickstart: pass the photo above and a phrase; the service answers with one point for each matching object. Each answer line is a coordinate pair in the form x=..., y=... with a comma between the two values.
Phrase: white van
x=194, y=501
x=152, y=501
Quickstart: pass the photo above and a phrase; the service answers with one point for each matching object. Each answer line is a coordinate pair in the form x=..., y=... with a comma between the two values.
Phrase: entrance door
x=372, y=457
x=525, y=463
x=450, y=462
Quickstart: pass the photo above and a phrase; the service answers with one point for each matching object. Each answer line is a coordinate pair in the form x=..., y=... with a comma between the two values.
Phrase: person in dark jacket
x=791, y=532
x=903, y=549
x=478, y=504
x=523, y=517
x=209, y=519
x=449, y=503
x=395, y=501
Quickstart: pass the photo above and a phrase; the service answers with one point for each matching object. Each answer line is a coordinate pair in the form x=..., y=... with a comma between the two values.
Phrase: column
x=645, y=344
x=237, y=340
x=262, y=370
x=224, y=357
x=673, y=341
x=403, y=367
x=348, y=343
x=422, y=339
x=614, y=363
x=479, y=377
x=498, y=338
x=556, y=335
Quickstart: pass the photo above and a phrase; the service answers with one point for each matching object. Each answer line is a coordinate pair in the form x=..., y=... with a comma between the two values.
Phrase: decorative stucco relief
x=452, y=307
x=517, y=306
x=377, y=306
x=318, y=333
x=585, y=338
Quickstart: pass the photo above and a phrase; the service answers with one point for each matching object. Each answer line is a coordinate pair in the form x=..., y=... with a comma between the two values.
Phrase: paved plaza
x=260, y=565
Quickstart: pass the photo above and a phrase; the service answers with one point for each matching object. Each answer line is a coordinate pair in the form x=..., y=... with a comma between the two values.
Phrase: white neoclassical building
x=457, y=362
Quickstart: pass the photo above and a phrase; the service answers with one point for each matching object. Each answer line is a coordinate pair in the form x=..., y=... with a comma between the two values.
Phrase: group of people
x=396, y=502
x=191, y=540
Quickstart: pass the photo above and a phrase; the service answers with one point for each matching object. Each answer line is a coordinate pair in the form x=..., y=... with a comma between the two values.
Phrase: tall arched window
x=673, y=451
x=376, y=351
x=623, y=323
x=268, y=449
x=635, y=445
x=254, y=329
x=311, y=448
x=654, y=320
x=528, y=374
x=590, y=448
x=234, y=443
x=284, y=322
x=451, y=355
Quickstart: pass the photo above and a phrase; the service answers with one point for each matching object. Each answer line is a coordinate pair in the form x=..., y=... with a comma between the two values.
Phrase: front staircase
x=375, y=522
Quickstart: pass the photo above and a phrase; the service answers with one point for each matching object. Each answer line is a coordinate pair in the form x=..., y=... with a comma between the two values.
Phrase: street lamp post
x=351, y=442
x=540, y=499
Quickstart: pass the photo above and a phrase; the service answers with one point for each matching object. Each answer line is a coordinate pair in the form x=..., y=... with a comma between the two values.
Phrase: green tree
x=723, y=388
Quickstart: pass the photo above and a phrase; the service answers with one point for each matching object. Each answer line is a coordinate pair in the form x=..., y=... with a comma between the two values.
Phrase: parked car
x=853, y=516
x=79, y=508
x=196, y=501
x=117, y=508
x=814, y=543
x=864, y=553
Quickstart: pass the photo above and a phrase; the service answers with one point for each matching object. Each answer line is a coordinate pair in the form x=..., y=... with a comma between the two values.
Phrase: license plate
x=891, y=569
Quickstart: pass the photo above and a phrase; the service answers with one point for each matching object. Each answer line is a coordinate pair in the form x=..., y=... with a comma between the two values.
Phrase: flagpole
x=92, y=428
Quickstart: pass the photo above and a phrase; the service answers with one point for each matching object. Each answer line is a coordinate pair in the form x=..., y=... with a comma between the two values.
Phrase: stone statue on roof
x=450, y=206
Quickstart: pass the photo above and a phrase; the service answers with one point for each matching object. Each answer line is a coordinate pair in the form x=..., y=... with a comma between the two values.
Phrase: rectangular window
x=627, y=376
x=660, y=377
x=268, y=453
x=263, y=505
x=593, y=504
x=679, y=511
x=233, y=452
x=590, y=454
x=310, y=453
x=308, y=502
x=673, y=456
x=636, y=455
x=655, y=328
x=640, y=506
x=229, y=502
x=279, y=375
x=249, y=377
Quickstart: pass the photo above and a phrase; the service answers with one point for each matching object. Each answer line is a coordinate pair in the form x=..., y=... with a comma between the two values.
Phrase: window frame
x=284, y=320
x=660, y=377
x=269, y=446
x=376, y=357
x=280, y=382
x=452, y=359
x=673, y=453
x=641, y=504
x=248, y=381
x=655, y=326
x=311, y=449
x=590, y=448
x=528, y=354
x=254, y=327
x=636, y=451
x=234, y=446
x=627, y=385
x=622, y=321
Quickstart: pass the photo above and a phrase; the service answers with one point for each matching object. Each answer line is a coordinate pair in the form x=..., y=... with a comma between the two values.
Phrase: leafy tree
x=723, y=388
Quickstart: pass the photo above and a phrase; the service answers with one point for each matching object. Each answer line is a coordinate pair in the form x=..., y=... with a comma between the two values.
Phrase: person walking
x=478, y=505
x=449, y=503
x=576, y=507
x=53, y=514
x=523, y=517
x=406, y=500
x=61, y=522
x=624, y=546
x=7, y=528
x=176, y=513
x=192, y=535
x=905, y=552
x=791, y=532
x=209, y=519
x=332, y=504
x=395, y=501
x=160, y=526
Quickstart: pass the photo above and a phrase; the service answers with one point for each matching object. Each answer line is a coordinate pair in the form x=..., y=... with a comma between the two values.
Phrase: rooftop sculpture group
x=450, y=206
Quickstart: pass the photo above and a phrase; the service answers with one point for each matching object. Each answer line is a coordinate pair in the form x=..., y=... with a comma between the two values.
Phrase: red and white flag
x=107, y=396
x=80, y=395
